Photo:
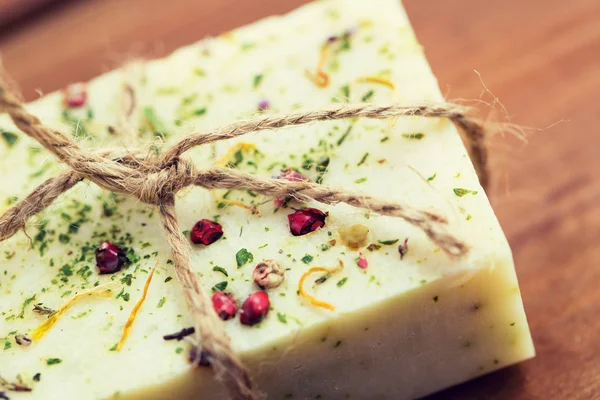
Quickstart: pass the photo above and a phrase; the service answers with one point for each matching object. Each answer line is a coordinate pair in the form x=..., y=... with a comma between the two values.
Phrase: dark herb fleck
x=341, y=282
x=180, y=335
x=345, y=135
x=388, y=242
x=40, y=308
x=53, y=361
x=373, y=247
x=362, y=160
x=322, y=279
x=9, y=137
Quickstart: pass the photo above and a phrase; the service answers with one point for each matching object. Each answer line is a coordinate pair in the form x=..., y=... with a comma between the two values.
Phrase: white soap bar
x=401, y=328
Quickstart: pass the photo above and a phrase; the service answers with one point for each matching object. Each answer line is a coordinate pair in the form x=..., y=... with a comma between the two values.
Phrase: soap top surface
x=258, y=69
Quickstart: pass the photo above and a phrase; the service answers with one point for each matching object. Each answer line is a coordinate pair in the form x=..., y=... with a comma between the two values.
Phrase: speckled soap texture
x=402, y=327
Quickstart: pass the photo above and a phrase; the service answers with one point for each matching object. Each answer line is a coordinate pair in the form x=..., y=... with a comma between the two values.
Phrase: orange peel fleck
x=135, y=310
x=313, y=300
x=222, y=162
x=44, y=327
x=320, y=78
x=376, y=79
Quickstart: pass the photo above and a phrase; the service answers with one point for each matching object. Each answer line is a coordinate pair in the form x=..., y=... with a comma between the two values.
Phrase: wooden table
x=541, y=58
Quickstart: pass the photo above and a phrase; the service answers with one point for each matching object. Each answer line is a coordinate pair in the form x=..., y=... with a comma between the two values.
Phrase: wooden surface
x=541, y=58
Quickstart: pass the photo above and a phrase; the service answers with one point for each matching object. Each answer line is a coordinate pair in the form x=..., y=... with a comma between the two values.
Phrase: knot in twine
x=155, y=179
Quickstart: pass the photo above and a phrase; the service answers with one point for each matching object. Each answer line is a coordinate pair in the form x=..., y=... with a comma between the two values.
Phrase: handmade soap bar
x=396, y=318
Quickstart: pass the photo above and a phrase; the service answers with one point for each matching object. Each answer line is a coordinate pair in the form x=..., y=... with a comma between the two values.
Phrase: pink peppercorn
x=109, y=258
x=206, y=232
x=264, y=105
x=75, y=95
x=224, y=305
x=292, y=175
x=362, y=261
x=306, y=220
x=255, y=308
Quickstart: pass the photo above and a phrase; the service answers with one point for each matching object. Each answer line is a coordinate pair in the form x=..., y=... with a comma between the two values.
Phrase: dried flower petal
x=403, y=248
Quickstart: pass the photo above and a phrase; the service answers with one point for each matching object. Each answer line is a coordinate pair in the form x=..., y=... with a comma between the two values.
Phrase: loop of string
x=156, y=179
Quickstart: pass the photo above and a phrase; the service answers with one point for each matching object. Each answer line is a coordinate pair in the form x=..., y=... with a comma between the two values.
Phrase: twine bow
x=155, y=179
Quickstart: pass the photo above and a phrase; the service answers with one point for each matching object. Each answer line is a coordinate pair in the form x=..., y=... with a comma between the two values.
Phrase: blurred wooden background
x=541, y=58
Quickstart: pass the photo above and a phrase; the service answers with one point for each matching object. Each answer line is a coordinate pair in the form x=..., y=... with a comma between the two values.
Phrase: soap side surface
x=402, y=327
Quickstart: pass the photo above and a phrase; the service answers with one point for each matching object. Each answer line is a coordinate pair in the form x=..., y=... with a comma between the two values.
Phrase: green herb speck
x=388, y=242
x=9, y=137
x=161, y=302
x=53, y=361
x=281, y=317
x=361, y=180
x=127, y=279
x=242, y=257
x=307, y=259
x=367, y=96
x=460, y=192
x=155, y=123
x=219, y=287
x=257, y=80
x=414, y=136
x=221, y=270
x=342, y=281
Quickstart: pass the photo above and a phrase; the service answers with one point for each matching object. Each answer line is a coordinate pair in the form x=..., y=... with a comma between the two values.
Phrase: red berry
x=306, y=220
x=255, y=308
x=289, y=175
x=206, y=232
x=75, y=95
x=224, y=305
x=109, y=258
